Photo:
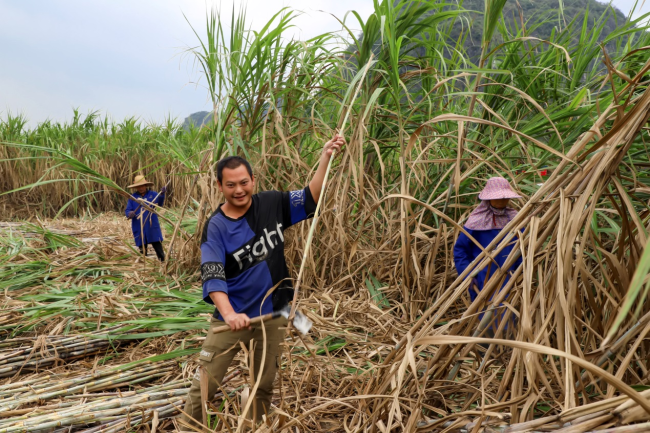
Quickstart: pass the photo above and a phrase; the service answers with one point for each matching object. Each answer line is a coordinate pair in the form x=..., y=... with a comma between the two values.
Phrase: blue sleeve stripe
x=297, y=206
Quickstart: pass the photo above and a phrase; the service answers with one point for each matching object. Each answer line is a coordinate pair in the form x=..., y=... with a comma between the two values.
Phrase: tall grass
x=117, y=151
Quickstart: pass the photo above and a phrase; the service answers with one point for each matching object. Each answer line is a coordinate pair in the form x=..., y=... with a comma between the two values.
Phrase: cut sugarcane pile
x=28, y=354
x=603, y=416
x=84, y=399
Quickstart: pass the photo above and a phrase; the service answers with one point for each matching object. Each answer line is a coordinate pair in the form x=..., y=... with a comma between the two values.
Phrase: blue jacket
x=144, y=219
x=465, y=251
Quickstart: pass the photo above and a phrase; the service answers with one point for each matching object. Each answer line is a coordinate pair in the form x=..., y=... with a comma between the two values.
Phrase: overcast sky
x=122, y=57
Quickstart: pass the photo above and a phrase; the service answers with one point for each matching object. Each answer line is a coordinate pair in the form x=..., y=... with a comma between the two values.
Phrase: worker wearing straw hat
x=245, y=275
x=484, y=224
x=144, y=224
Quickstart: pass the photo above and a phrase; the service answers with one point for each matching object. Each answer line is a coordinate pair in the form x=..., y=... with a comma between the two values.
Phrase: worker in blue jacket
x=484, y=224
x=144, y=224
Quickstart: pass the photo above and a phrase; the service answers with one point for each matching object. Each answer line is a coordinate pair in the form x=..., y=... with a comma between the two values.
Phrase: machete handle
x=269, y=316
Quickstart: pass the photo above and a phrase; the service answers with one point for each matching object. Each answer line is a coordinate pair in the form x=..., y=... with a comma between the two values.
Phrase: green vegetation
x=292, y=91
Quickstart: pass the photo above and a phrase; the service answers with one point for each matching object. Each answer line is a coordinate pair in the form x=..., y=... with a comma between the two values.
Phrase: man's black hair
x=232, y=162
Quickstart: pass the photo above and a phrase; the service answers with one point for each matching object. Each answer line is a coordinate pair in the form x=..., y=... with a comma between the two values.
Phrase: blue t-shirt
x=244, y=257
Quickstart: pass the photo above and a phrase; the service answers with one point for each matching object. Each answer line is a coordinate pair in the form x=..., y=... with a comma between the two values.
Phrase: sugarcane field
x=392, y=216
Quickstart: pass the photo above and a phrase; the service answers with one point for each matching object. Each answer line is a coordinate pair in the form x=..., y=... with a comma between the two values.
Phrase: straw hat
x=140, y=181
x=497, y=188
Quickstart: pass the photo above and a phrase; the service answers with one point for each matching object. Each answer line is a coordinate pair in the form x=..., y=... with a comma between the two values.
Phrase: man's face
x=142, y=189
x=237, y=186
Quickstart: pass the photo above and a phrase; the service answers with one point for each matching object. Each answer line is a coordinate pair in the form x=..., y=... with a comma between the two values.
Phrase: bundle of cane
x=24, y=355
x=95, y=400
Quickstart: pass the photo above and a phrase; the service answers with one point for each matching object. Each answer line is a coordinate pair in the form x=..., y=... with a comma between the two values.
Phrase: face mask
x=498, y=211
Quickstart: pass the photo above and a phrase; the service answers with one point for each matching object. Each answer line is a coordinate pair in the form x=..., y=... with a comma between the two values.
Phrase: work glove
x=163, y=190
x=131, y=215
x=474, y=285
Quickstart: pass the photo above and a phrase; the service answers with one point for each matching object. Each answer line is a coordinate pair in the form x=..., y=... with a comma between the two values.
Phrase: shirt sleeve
x=130, y=205
x=160, y=201
x=298, y=205
x=213, y=257
x=462, y=253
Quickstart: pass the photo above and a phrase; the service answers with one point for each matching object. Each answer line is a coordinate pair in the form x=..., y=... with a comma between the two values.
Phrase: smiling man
x=242, y=258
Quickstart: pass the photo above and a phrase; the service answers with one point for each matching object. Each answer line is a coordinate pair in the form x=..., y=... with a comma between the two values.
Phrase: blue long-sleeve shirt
x=145, y=221
x=465, y=251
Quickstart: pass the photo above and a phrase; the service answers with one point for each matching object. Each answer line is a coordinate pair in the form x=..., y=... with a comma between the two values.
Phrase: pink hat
x=497, y=188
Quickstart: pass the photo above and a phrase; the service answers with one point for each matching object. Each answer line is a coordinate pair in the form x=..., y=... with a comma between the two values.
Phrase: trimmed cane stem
x=321, y=198
x=310, y=236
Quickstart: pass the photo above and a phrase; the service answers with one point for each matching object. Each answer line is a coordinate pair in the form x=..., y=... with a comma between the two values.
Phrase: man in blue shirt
x=242, y=259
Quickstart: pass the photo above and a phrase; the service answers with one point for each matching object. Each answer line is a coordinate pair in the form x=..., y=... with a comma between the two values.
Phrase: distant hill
x=543, y=16
x=197, y=119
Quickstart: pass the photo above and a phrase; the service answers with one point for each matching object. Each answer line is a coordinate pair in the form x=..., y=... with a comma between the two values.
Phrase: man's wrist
x=325, y=157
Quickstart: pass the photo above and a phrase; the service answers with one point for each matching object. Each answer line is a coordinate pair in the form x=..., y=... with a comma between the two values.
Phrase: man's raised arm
x=316, y=183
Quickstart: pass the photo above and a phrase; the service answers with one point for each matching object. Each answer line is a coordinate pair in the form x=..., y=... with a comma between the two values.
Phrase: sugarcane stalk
x=636, y=428
x=321, y=199
x=114, y=406
x=19, y=414
x=62, y=352
x=183, y=207
x=133, y=381
x=118, y=425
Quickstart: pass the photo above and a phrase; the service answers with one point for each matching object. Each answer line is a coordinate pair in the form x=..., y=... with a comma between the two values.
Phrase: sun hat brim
x=498, y=195
x=141, y=183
